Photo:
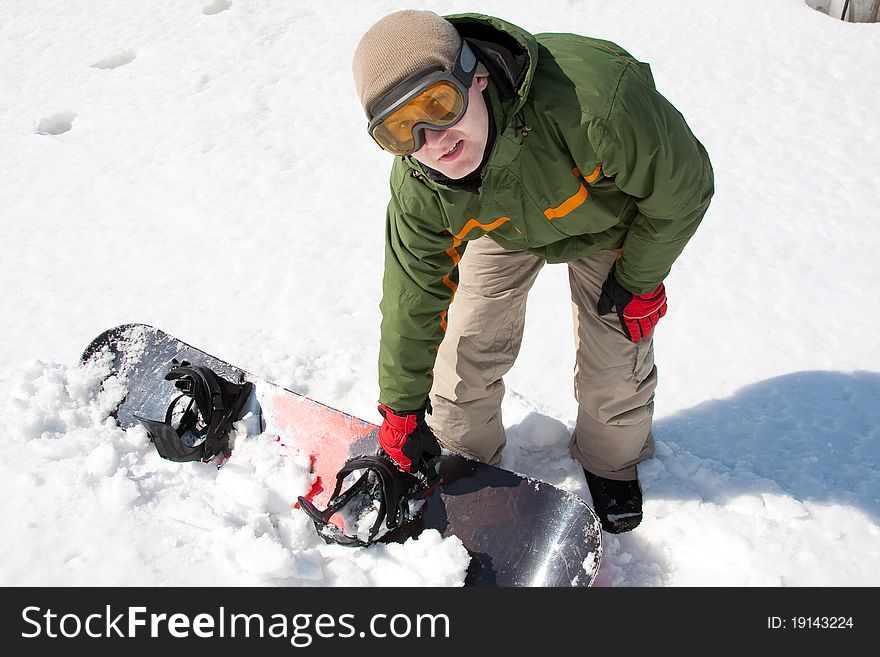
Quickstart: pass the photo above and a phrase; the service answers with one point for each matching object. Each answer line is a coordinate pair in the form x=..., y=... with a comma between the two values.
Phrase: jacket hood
x=509, y=53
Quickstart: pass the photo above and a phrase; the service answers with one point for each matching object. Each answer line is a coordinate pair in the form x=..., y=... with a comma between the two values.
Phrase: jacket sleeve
x=649, y=150
x=420, y=278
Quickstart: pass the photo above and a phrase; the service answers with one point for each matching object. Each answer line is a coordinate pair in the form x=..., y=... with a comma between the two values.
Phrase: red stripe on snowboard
x=322, y=432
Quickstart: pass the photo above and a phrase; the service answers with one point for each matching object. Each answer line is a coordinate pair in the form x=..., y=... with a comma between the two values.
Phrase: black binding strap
x=381, y=480
x=213, y=404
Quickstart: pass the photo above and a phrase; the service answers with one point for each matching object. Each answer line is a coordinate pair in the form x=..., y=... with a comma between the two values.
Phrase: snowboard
x=519, y=531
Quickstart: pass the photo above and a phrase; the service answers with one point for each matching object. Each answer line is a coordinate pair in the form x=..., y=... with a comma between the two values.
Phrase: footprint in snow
x=216, y=7
x=115, y=60
x=57, y=124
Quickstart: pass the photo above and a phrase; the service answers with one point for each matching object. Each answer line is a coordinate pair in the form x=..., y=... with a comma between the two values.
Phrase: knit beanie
x=399, y=46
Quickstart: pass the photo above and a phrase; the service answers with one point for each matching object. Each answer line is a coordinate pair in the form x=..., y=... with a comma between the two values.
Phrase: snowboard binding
x=198, y=420
x=382, y=489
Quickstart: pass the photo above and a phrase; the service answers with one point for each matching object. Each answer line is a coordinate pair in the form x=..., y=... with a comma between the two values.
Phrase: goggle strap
x=467, y=60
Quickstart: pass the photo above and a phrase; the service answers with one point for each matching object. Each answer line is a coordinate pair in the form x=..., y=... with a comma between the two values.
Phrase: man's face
x=458, y=151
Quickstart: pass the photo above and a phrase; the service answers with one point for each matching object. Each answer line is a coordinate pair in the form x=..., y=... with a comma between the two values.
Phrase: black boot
x=617, y=503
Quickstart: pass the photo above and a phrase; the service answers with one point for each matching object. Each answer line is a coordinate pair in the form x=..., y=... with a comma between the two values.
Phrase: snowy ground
x=203, y=167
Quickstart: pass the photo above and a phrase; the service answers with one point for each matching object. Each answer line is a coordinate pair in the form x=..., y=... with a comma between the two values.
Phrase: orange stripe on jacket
x=577, y=199
x=455, y=256
x=473, y=223
x=568, y=204
x=593, y=177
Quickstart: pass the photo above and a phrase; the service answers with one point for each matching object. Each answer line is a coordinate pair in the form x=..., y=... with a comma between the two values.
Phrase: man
x=513, y=150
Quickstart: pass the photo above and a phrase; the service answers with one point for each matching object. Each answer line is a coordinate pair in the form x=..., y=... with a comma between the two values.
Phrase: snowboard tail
x=519, y=531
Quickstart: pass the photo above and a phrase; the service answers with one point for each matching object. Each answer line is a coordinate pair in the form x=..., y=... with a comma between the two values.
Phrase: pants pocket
x=643, y=362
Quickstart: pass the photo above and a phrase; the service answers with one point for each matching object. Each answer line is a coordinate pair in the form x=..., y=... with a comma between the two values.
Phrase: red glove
x=407, y=439
x=638, y=313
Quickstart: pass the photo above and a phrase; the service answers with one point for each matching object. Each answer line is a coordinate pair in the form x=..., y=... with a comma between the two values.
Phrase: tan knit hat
x=398, y=46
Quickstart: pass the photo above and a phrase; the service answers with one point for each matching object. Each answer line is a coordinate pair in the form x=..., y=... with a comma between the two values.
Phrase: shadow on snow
x=816, y=434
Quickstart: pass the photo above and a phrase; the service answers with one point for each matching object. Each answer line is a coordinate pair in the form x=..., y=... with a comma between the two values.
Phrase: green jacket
x=587, y=156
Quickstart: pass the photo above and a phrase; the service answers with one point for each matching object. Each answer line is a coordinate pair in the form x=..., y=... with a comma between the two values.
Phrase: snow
x=203, y=167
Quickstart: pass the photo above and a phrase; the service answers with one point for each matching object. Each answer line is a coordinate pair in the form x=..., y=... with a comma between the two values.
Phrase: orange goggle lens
x=439, y=105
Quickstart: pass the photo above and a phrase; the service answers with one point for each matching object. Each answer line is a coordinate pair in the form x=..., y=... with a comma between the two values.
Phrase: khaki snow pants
x=614, y=378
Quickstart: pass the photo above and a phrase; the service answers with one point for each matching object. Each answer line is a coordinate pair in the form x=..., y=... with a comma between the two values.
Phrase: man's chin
x=457, y=170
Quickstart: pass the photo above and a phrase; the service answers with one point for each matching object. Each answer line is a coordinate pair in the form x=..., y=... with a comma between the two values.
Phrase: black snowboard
x=519, y=531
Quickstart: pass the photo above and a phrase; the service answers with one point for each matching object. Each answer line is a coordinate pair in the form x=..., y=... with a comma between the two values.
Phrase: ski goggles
x=434, y=102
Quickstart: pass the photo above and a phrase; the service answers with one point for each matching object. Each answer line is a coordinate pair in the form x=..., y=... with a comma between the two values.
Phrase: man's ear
x=482, y=81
